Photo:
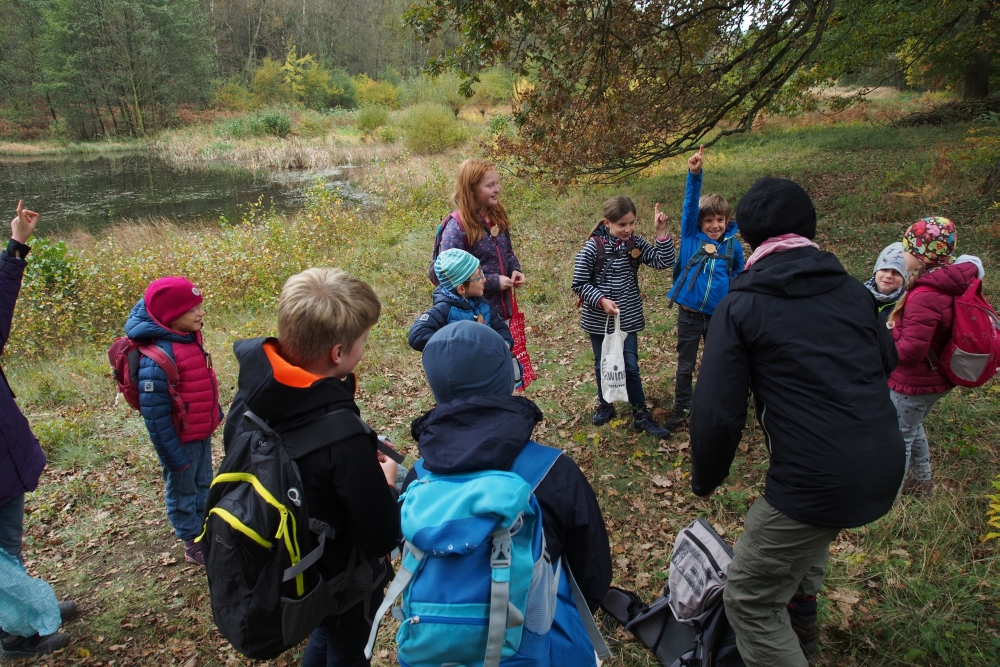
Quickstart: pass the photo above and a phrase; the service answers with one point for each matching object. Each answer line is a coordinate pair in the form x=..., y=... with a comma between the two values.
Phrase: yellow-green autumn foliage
x=376, y=93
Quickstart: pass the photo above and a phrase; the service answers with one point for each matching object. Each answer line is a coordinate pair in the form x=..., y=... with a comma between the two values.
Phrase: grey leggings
x=911, y=411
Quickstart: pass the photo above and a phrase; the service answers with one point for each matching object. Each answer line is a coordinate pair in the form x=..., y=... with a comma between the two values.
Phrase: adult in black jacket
x=344, y=484
x=478, y=425
x=805, y=338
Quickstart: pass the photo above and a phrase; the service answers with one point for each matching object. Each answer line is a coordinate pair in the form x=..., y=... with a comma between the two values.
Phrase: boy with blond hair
x=710, y=257
x=306, y=373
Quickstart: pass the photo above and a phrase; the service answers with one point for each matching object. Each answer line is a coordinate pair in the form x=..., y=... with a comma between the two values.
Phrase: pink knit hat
x=170, y=297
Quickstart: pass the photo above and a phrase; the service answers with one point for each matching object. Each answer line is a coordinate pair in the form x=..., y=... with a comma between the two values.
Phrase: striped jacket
x=618, y=281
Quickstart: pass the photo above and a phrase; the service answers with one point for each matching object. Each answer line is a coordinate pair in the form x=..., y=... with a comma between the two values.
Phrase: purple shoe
x=193, y=554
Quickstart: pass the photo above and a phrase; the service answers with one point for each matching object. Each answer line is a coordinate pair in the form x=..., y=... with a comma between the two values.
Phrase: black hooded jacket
x=344, y=484
x=806, y=338
x=487, y=433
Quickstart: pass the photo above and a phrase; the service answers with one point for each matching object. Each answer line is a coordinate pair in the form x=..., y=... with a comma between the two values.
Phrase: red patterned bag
x=520, y=350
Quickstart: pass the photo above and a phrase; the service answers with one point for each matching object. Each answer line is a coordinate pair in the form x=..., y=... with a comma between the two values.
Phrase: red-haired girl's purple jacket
x=496, y=258
x=21, y=457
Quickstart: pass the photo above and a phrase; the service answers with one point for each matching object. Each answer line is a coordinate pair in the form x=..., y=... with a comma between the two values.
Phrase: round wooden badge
x=495, y=231
x=635, y=253
x=709, y=249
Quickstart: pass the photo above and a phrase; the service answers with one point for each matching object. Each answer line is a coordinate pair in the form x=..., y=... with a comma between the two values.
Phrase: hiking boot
x=643, y=421
x=605, y=413
x=193, y=554
x=920, y=488
x=69, y=610
x=676, y=418
x=14, y=646
x=802, y=614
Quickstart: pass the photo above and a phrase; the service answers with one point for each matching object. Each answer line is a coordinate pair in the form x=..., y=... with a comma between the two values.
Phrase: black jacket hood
x=795, y=274
x=477, y=433
x=280, y=403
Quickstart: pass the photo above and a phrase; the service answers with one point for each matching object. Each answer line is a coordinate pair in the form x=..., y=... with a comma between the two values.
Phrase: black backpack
x=705, y=639
x=689, y=272
x=261, y=547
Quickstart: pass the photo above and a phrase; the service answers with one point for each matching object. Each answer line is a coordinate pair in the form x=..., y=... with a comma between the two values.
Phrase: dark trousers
x=340, y=641
x=12, y=526
x=691, y=330
x=633, y=382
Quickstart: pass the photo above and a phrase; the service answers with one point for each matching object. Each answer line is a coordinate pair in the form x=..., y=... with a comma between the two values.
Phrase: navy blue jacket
x=487, y=433
x=449, y=307
x=21, y=457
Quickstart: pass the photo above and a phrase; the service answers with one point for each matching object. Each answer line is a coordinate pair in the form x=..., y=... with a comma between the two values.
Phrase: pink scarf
x=779, y=244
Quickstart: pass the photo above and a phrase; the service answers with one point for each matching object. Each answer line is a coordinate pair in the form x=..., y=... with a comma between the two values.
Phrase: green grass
x=926, y=585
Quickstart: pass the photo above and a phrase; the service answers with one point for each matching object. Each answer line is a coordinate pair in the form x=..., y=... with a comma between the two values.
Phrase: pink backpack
x=124, y=356
x=972, y=356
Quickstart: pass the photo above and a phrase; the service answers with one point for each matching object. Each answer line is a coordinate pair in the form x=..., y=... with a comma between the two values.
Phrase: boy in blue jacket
x=710, y=257
x=458, y=297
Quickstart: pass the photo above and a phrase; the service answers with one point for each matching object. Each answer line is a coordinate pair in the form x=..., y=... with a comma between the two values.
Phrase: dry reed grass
x=186, y=148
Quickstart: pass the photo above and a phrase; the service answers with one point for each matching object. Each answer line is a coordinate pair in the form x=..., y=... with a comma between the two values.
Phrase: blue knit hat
x=453, y=267
x=466, y=359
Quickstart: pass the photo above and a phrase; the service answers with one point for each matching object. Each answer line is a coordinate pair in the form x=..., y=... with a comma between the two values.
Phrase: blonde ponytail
x=897, y=311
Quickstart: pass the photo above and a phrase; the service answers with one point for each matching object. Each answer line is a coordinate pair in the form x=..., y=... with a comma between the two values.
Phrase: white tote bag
x=613, y=364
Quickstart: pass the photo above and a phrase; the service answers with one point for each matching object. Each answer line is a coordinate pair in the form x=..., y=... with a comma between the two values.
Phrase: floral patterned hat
x=932, y=240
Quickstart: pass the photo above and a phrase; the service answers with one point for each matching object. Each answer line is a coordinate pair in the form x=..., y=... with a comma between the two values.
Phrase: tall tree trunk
x=991, y=186
x=977, y=71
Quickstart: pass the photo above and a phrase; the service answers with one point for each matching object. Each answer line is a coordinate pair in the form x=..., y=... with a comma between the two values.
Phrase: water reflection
x=94, y=192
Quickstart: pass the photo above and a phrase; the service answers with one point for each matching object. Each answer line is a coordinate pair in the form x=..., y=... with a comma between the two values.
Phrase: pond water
x=94, y=192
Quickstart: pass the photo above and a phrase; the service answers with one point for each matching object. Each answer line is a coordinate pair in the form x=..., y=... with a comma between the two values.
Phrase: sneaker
x=13, y=646
x=193, y=554
x=643, y=421
x=69, y=610
x=921, y=488
x=802, y=614
x=677, y=418
x=605, y=413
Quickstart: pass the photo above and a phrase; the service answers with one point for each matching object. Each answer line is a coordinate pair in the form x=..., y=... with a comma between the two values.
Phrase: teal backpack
x=476, y=581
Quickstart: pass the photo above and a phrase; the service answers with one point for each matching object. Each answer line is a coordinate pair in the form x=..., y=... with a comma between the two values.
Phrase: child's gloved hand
x=696, y=160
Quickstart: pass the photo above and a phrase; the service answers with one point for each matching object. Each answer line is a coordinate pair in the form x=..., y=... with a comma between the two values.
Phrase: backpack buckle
x=500, y=556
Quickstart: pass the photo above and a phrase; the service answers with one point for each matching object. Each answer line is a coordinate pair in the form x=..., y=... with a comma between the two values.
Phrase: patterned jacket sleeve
x=583, y=275
x=427, y=325
x=157, y=412
x=511, y=263
x=659, y=256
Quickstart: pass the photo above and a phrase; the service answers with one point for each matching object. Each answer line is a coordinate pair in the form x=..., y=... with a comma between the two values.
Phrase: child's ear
x=460, y=289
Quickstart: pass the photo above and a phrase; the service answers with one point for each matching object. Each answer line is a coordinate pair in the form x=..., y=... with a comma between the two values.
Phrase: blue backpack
x=477, y=583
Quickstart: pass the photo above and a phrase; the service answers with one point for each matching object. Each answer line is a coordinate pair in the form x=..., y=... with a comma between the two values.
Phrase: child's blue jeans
x=633, y=382
x=187, y=491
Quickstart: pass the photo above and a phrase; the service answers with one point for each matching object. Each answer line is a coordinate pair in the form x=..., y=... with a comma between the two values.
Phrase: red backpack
x=972, y=356
x=124, y=355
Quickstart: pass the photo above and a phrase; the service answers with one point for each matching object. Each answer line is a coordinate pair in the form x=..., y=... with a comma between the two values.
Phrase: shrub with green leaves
x=370, y=118
x=381, y=93
x=231, y=95
x=431, y=128
x=267, y=122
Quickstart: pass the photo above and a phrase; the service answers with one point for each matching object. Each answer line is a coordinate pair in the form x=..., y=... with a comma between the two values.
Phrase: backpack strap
x=411, y=563
x=600, y=646
x=332, y=427
x=534, y=463
x=169, y=367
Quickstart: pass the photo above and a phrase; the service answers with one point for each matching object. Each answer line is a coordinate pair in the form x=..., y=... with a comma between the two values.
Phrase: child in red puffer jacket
x=171, y=315
x=921, y=325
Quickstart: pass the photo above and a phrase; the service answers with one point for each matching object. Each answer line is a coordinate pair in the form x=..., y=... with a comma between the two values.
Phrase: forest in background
x=97, y=68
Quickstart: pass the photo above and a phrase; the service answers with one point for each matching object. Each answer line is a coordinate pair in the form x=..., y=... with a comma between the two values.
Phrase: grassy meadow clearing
x=916, y=587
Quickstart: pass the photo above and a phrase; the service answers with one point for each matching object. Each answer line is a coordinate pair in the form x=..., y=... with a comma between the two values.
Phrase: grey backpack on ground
x=687, y=625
